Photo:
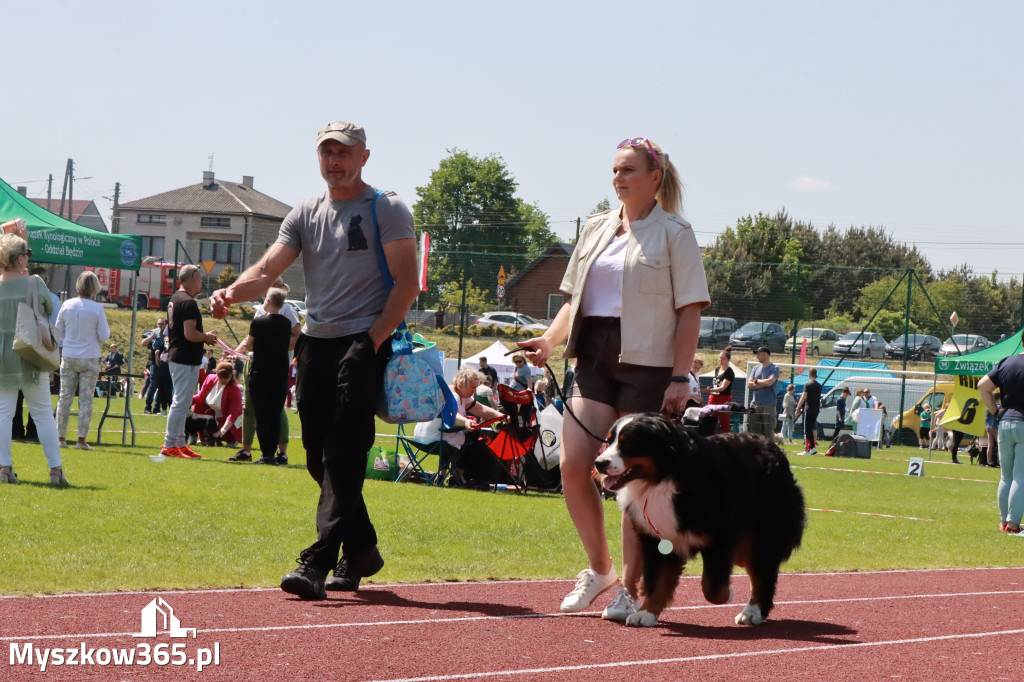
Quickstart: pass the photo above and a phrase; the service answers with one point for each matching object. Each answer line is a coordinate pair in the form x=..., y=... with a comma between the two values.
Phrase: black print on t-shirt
x=356, y=238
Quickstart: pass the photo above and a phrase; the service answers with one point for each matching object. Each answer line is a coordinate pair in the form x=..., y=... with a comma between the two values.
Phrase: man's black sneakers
x=306, y=581
x=354, y=567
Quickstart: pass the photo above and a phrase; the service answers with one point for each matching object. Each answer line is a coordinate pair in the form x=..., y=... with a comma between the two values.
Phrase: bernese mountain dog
x=731, y=497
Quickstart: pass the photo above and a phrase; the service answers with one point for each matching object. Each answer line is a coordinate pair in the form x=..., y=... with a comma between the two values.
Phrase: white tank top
x=602, y=292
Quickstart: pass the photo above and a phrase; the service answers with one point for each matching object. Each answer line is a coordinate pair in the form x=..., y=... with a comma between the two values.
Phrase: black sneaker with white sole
x=306, y=581
x=354, y=567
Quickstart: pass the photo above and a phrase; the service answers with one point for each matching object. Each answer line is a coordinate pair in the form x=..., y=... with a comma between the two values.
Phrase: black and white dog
x=731, y=497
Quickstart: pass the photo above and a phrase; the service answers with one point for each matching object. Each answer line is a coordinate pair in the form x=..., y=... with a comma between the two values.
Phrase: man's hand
x=220, y=301
x=211, y=338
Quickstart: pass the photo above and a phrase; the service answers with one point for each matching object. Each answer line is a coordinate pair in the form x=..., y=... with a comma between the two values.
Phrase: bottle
x=504, y=487
x=16, y=226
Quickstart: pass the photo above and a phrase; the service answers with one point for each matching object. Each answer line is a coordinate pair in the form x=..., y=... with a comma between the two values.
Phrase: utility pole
x=577, y=229
x=115, y=218
x=71, y=189
x=49, y=192
x=64, y=190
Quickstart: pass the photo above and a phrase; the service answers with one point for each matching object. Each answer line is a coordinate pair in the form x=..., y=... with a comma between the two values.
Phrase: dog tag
x=665, y=547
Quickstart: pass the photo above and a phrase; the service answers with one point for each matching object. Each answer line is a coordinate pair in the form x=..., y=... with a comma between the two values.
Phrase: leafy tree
x=476, y=222
x=451, y=299
x=601, y=207
x=226, y=277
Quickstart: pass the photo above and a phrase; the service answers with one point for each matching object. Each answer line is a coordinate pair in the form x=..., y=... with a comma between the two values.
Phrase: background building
x=229, y=223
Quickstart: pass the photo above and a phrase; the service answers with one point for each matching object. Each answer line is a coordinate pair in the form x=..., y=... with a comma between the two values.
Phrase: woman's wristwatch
x=680, y=379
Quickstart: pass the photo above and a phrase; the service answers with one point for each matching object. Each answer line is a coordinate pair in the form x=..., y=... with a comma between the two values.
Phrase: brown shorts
x=601, y=377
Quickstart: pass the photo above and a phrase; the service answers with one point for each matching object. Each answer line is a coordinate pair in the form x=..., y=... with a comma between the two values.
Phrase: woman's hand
x=538, y=350
x=675, y=398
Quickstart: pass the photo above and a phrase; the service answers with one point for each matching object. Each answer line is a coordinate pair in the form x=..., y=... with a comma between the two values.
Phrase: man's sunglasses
x=640, y=142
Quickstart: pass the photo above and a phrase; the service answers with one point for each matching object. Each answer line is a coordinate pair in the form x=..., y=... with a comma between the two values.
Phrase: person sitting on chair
x=464, y=438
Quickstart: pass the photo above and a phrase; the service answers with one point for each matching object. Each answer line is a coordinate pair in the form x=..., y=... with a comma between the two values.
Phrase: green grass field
x=127, y=523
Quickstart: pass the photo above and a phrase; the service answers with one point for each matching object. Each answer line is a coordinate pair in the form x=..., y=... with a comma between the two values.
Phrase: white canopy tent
x=496, y=358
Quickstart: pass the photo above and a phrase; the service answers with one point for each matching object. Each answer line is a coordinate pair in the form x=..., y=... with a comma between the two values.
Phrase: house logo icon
x=159, y=612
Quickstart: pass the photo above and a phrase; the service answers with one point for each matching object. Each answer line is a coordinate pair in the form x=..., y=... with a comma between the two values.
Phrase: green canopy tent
x=980, y=362
x=59, y=241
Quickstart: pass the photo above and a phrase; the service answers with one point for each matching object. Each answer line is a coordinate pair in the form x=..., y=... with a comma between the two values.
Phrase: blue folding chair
x=417, y=453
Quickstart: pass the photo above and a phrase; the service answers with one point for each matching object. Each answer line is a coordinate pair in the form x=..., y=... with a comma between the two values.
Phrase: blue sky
x=900, y=114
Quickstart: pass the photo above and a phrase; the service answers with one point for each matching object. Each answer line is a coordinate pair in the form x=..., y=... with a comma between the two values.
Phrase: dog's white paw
x=750, y=615
x=644, y=619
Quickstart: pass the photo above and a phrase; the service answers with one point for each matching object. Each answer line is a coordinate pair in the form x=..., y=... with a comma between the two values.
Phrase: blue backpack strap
x=389, y=282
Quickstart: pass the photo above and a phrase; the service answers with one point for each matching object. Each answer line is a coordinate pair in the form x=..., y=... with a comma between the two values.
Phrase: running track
x=927, y=625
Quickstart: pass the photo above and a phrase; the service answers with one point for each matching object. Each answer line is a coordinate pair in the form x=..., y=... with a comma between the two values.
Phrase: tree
x=475, y=221
x=451, y=298
x=226, y=277
x=601, y=207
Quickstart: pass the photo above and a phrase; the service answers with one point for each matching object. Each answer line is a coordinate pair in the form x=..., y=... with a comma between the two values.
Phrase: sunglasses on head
x=640, y=142
x=28, y=252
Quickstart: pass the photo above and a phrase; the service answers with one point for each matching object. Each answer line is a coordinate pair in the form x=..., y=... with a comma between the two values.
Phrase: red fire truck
x=155, y=285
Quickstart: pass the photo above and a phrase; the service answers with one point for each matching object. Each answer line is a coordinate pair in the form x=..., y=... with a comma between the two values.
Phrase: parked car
x=715, y=331
x=819, y=341
x=919, y=346
x=516, y=320
x=299, y=305
x=861, y=344
x=754, y=334
x=959, y=344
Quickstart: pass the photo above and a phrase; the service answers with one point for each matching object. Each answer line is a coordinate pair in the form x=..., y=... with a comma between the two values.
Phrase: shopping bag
x=35, y=339
x=411, y=391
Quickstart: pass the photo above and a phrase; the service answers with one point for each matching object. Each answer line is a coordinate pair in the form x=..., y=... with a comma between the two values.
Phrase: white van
x=886, y=389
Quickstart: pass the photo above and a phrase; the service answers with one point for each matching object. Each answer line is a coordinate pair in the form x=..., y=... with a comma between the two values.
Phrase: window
x=555, y=302
x=221, y=252
x=153, y=246
x=207, y=221
x=152, y=219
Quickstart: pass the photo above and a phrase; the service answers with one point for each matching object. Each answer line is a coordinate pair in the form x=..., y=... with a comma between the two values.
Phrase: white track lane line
x=709, y=657
x=484, y=583
x=468, y=619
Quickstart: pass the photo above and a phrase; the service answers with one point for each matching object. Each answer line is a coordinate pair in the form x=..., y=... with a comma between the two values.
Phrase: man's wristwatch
x=680, y=379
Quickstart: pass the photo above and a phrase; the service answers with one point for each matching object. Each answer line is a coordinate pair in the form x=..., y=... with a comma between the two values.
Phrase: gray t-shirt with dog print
x=345, y=290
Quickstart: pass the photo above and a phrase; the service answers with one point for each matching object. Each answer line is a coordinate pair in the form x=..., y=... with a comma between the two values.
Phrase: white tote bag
x=35, y=339
x=549, y=444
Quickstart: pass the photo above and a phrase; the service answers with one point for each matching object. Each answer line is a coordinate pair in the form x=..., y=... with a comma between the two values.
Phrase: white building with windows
x=229, y=223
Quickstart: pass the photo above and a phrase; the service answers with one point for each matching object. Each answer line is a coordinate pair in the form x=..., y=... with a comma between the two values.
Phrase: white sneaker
x=589, y=584
x=812, y=451
x=622, y=607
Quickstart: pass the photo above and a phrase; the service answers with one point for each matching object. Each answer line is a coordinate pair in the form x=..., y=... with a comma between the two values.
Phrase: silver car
x=960, y=344
x=860, y=344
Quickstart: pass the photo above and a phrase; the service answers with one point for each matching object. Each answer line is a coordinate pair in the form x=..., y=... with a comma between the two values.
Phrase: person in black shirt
x=810, y=405
x=185, y=338
x=489, y=371
x=112, y=366
x=270, y=337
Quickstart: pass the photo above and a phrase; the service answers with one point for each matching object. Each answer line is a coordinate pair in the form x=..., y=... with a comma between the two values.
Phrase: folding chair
x=417, y=452
x=515, y=440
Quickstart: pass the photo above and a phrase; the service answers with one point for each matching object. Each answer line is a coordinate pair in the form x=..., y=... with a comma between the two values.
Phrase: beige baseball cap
x=342, y=131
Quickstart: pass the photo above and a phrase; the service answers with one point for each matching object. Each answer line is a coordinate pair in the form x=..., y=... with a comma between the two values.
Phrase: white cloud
x=807, y=184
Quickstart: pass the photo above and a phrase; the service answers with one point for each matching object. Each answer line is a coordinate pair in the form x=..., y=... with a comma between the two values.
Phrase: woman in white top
x=637, y=286
x=84, y=325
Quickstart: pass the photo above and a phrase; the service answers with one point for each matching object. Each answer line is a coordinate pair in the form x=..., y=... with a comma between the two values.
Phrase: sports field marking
x=479, y=583
x=709, y=657
x=469, y=619
x=884, y=516
x=896, y=473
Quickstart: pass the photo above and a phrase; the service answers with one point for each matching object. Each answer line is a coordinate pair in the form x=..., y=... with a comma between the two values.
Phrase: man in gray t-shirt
x=341, y=353
x=762, y=382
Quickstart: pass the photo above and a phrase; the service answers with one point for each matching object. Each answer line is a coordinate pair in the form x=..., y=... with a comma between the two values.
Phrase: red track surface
x=928, y=625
